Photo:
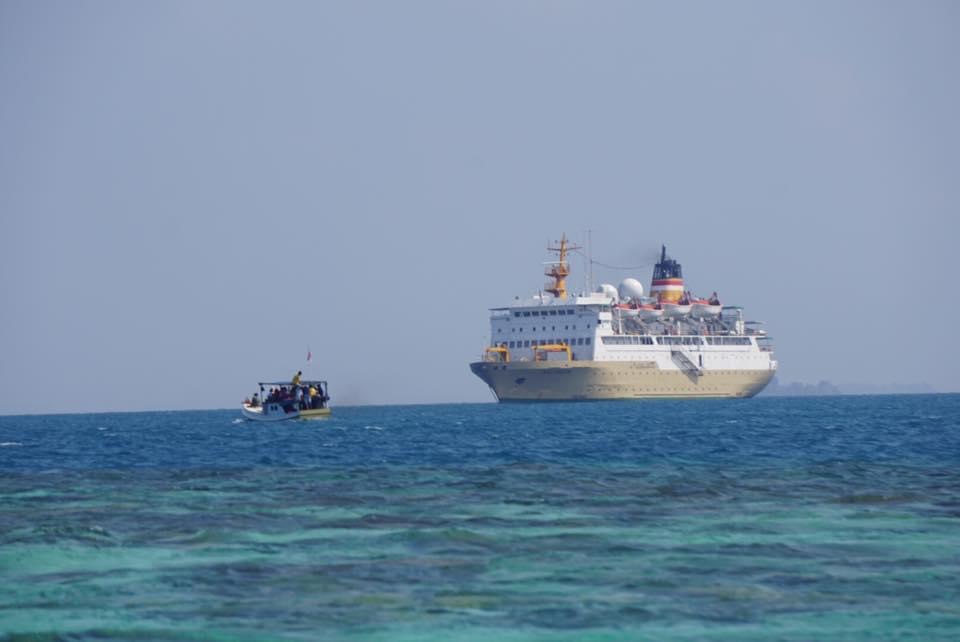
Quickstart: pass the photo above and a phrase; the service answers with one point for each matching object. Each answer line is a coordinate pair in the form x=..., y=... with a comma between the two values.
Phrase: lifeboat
x=704, y=309
x=650, y=312
x=675, y=310
x=626, y=310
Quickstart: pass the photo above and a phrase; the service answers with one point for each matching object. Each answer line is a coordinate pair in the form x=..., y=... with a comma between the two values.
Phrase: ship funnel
x=667, y=283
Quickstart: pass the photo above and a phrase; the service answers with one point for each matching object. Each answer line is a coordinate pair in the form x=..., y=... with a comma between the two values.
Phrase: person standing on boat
x=298, y=396
x=296, y=378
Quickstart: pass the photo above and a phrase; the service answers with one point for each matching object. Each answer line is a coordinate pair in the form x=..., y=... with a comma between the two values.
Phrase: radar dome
x=608, y=290
x=631, y=289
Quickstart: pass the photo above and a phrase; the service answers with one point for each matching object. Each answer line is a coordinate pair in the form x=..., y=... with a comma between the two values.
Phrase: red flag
x=309, y=354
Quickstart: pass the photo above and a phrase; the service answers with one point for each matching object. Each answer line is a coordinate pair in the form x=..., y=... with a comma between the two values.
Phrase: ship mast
x=559, y=270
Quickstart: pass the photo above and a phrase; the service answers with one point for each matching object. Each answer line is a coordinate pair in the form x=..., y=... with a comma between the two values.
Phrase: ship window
x=553, y=313
x=553, y=327
x=516, y=314
x=526, y=314
x=587, y=340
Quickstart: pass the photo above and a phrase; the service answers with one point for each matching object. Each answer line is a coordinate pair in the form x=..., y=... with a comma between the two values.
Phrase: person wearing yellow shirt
x=296, y=378
x=313, y=396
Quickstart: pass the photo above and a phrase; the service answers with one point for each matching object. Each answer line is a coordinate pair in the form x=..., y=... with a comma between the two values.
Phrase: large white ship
x=616, y=343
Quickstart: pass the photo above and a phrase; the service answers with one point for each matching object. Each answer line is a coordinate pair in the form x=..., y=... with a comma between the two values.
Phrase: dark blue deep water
x=830, y=518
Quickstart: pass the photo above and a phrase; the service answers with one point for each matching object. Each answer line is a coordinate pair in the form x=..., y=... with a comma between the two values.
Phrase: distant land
x=797, y=389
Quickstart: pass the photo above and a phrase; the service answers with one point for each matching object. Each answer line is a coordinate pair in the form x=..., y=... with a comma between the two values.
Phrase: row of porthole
x=543, y=328
x=652, y=371
x=607, y=389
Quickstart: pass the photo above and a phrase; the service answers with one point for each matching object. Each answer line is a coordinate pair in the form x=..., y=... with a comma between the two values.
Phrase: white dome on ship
x=631, y=289
x=608, y=291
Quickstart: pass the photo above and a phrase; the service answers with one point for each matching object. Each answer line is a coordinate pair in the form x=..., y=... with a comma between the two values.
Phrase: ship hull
x=593, y=380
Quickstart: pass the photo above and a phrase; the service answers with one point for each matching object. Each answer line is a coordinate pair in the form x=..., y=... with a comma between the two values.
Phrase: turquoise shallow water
x=769, y=519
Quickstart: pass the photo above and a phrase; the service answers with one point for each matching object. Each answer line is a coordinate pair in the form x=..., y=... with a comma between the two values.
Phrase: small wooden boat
x=284, y=403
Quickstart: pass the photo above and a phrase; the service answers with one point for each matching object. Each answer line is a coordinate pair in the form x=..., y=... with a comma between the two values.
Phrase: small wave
x=9, y=444
x=101, y=428
x=238, y=421
x=373, y=427
x=872, y=498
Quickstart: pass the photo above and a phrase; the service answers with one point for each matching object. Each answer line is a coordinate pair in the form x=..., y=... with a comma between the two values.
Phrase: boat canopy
x=303, y=382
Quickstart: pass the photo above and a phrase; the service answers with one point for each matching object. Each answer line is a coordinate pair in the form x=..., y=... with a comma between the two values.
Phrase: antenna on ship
x=590, y=259
x=559, y=270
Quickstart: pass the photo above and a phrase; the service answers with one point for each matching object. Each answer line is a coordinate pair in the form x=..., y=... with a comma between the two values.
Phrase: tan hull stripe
x=560, y=381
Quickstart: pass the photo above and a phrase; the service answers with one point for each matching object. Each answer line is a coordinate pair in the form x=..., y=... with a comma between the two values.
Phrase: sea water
x=830, y=518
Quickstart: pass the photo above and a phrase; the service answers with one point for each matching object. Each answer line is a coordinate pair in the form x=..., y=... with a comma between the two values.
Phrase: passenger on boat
x=255, y=400
x=296, y=378
x=714, y=299
x=316, y=397
x=286, y=399
x=298, y=396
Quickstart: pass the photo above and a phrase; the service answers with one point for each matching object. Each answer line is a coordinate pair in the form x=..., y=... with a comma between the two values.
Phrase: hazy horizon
x=195, y=194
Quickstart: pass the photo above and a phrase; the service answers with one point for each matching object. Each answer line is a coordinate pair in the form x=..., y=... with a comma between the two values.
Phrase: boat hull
x=577, y=381
x=275, y=413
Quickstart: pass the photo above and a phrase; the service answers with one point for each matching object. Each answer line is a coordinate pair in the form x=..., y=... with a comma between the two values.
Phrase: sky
x=195, y=194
